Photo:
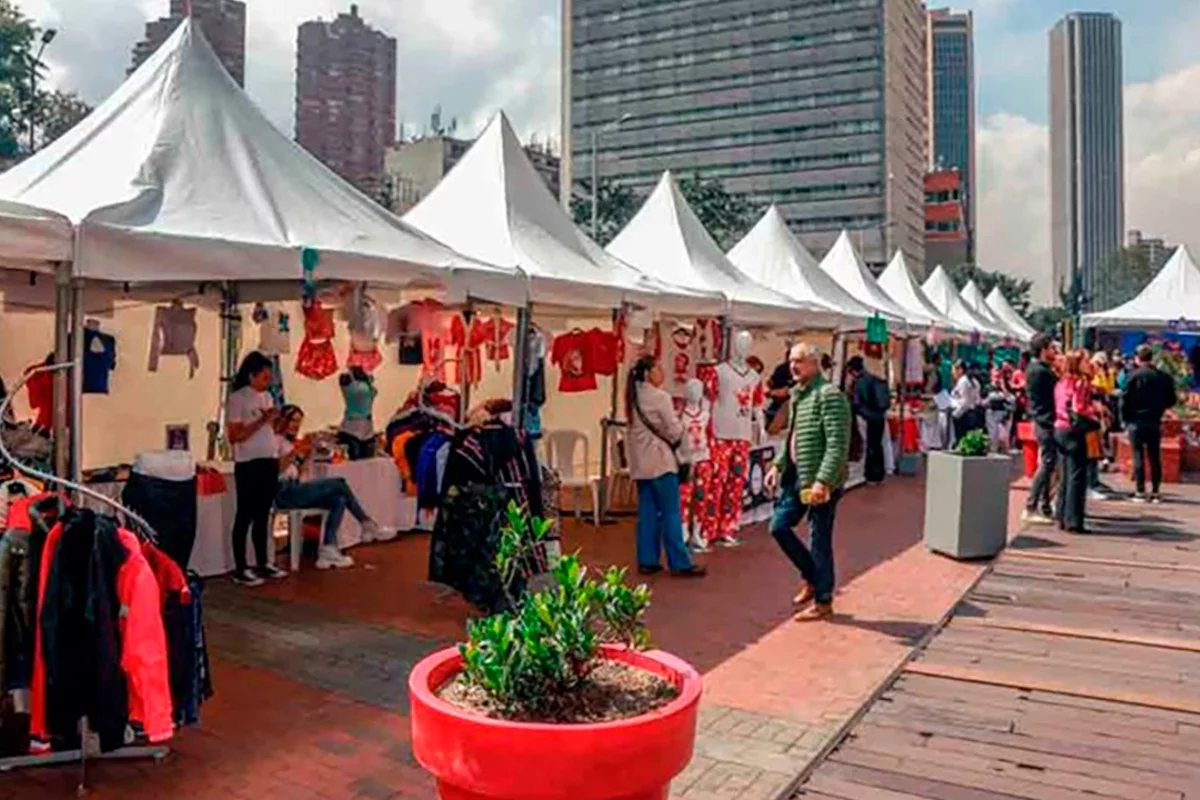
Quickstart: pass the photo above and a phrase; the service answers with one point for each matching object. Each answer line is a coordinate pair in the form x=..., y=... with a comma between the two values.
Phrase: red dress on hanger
x=316, y=359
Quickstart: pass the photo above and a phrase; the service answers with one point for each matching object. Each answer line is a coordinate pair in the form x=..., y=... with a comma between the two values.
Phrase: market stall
x=975, y=301
x=1000, y=306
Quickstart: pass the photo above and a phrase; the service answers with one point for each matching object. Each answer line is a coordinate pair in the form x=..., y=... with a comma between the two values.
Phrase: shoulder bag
x=683, y=468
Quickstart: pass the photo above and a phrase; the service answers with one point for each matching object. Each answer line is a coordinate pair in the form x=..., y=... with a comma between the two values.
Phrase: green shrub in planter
x=974, y=444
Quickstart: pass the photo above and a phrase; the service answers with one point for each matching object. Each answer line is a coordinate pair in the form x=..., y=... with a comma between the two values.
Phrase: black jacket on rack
x=488, y=467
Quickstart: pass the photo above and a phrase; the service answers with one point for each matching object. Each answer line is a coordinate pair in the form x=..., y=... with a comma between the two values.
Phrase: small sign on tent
x=877, y=332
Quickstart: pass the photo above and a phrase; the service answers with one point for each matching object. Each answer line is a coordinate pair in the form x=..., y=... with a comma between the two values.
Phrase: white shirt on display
x=246, y=407
x=739, y=399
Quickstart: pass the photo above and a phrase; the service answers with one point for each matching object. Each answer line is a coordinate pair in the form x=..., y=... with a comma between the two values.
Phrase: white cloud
x=1162, y=189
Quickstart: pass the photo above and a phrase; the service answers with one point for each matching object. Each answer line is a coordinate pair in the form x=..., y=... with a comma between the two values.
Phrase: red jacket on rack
x=143, y=644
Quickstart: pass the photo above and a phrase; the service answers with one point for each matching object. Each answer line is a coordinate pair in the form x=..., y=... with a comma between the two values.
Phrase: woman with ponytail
x=655, y=436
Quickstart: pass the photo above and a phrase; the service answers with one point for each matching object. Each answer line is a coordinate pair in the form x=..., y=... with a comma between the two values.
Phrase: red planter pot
x=477, y=758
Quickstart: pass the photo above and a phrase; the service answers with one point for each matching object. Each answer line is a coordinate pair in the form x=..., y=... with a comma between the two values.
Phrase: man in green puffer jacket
x=810, y=474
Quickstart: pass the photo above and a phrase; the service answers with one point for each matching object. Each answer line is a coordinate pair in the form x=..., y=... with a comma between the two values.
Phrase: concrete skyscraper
x=952, y=105
x=1087, y=153
x=818, y=106
x=346, y=97
x=223, y=23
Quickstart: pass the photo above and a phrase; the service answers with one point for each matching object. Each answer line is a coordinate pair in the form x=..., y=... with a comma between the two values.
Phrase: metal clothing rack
x=84, y=751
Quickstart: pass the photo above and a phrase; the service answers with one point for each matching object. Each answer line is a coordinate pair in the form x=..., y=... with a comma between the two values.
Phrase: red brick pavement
x=268, y=736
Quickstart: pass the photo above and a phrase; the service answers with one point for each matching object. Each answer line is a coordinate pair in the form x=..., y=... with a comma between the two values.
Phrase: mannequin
x=738, y=402
x=357, y=431
x=699, y=513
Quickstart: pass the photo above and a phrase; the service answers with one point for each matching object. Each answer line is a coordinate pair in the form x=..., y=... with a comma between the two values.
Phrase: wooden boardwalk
x=1070, y=672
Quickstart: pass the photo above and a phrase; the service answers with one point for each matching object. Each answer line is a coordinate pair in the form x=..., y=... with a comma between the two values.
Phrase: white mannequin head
x=694, y=391
x=740, y=347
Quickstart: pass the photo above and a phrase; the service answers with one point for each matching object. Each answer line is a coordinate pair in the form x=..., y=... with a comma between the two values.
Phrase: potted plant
x=966, y=499
x=557, y=698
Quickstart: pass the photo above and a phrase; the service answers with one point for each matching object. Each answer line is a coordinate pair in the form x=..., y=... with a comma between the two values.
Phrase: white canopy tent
x=772, y=256
x=1000, y=306
x=494, y=206
x=972, y=295
x=944, y=295
x=898, y=281
x=1172, y=297
x=666, y=241
x=31, y=238
x=844, y=264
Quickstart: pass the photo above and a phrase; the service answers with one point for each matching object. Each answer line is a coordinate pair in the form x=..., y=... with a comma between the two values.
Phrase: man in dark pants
x=1149, y=393
x=810, y=473
x=1040, y=381
x=870, y=402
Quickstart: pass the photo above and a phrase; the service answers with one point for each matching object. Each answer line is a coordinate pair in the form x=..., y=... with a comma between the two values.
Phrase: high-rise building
x=818, y=106
x=947, y=241
x=952, y=104
x=415, y=168
x=1087, y=179
x=223, y=23
x=346, y=97
x=1157, y=251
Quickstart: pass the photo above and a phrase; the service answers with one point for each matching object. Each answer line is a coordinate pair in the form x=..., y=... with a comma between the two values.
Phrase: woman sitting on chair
x=331, y=495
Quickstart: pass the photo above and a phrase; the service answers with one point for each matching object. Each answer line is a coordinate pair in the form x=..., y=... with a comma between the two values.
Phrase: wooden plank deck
x=1070, y=672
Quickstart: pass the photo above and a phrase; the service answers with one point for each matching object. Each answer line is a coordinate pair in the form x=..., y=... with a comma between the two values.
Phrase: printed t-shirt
x=575, y=354
x=247, y=406
x=739, y=393
x=99, y=359
x=697, y=432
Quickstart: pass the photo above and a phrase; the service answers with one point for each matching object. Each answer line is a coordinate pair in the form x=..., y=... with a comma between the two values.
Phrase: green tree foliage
x=1124, y=277
x=1015, y=290
x=1048, y=319
x=58, y=112
x=17, y=35
x=617, y=205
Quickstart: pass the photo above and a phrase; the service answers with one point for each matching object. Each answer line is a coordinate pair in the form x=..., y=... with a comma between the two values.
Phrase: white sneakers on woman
x=329, y=557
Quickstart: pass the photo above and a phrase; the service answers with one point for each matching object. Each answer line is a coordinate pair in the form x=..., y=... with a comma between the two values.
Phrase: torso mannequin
x=699, y=512
x=739, y=399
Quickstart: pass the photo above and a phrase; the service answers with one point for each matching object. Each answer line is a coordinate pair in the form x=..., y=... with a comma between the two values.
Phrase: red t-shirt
x=41, y=397
x=605, y=349
x=575, y=354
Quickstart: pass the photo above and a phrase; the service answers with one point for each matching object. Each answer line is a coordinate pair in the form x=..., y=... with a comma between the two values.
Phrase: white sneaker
x=728, y=541
x=1035, y=518
x=246, y=577
x=370, y=531
x=700, y=546
x=1139, y=498
x=385, y=534
x=331, y=558
x=1097, y=495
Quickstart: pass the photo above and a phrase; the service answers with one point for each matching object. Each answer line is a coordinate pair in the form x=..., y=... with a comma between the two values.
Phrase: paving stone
x=767, y=786
x=368, y=787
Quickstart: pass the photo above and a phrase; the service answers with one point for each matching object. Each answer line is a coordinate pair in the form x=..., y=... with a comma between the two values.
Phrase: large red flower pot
x=477, y=758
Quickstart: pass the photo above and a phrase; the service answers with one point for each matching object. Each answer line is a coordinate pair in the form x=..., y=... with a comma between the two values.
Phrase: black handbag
x=683, y=468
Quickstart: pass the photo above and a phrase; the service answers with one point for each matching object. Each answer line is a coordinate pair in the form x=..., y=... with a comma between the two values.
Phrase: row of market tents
x=179, y=178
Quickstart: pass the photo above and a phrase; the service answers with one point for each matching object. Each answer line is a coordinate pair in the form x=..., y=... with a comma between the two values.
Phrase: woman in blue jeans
x=331, y=495
x=655, y=434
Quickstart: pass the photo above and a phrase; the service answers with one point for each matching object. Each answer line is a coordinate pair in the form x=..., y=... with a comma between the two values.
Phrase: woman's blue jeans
x=660, y=524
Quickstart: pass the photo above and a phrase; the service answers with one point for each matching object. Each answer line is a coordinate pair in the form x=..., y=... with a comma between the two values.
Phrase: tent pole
x=76, y=433
x=230, y=349
x=602, y=493
x=903, y=393
x=520, y=357
x=62, y=354
x=468, y=316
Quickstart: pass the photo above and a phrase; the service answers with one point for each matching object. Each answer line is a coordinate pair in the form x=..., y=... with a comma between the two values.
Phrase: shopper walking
x=250, y=414
x=1040, y=380
x=331, y=495
x=655, y=437
x=1149, y=394
x=1074, y=418
x=810, y=474
x=871, y=401
x=966, y=402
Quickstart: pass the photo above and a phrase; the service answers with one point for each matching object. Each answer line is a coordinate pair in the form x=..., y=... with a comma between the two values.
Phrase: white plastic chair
x=618, y=470
x=295, y=523
x=561, y=448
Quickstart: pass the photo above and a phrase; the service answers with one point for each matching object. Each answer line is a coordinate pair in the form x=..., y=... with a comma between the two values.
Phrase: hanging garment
x=274, y=330
x=144, y=644
x=708, y=341
x=697, y=432
x=170, y=507
x=428, y=474
x=366, y=327
x=10, y=492
x=731, y=463
x=174, y=334
x=99, y=360
x=738, y=403
x=40, y=388
x=574, y=353
x=467, y=344
x=698, y=504
x=16, y=614
x=678, y=358
x=316, y=359
x=276, y=388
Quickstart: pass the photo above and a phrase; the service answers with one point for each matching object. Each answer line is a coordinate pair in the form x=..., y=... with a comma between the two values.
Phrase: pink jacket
x=1072, y=395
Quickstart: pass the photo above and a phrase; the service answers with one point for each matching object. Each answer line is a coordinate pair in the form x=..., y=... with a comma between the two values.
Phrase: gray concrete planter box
x=966, y=504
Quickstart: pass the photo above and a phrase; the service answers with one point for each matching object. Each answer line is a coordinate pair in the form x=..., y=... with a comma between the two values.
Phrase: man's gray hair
x=805, y=351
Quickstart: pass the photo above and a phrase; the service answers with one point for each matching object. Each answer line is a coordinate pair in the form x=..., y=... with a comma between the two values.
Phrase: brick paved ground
x=310, y=673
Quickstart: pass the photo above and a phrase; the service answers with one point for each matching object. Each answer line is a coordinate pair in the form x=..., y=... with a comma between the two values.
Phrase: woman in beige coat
x=655, y=435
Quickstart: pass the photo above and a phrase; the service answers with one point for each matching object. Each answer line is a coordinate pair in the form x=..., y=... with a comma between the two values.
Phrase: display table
x=377, y=484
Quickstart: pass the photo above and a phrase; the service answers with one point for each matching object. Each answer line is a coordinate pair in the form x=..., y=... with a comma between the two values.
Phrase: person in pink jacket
x=1074, y=417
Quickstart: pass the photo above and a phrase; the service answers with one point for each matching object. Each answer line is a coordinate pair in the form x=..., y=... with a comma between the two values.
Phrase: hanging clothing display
x=365, y=329
x=679, y=358
x=40, y=388
x=698, y=506
x=487, y=467
x=174, y=334
x=357, y=430
x=535, y=382
x=274, y=330
x=582, y=355
x=731, y=464
x=739, y=398
x=709, y=341
x=276, y=389
x=418, y=328
x=11, y=491
x=410, y=430
x=99, y=360
x=316, y=359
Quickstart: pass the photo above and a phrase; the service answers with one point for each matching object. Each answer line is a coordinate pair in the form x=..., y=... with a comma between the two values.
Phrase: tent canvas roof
x=31, y=237
x=972, y=295
x=494, y=206
x=772, y=256
x=667, y=241
x=177, y=176
x=898, y=281
x=1172, y=296
x=1000, y=306
x=944, y=295
x=844, y=264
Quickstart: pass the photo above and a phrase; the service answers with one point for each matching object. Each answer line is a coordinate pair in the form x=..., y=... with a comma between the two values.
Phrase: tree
x=17, y=34
x=1123, y=277
x=727, y=217
x=1048, y=319
x=57, y=113
x=617, y=205
x=1015, y=290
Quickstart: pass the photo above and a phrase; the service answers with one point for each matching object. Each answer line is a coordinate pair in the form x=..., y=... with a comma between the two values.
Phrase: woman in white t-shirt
x=249, y=418
x=332, y=495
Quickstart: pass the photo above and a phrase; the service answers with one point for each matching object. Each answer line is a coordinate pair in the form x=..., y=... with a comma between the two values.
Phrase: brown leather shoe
x=805, y=596
x=815, y=613
x=696, y=571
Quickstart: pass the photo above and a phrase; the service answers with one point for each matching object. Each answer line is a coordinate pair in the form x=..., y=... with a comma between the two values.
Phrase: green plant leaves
x=974, y=443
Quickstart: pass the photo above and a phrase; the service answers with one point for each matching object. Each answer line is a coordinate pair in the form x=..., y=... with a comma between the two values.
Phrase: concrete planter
x=966, y=504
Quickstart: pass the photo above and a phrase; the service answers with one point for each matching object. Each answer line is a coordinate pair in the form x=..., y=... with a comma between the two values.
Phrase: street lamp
x=47, y=37
x=612, y=126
